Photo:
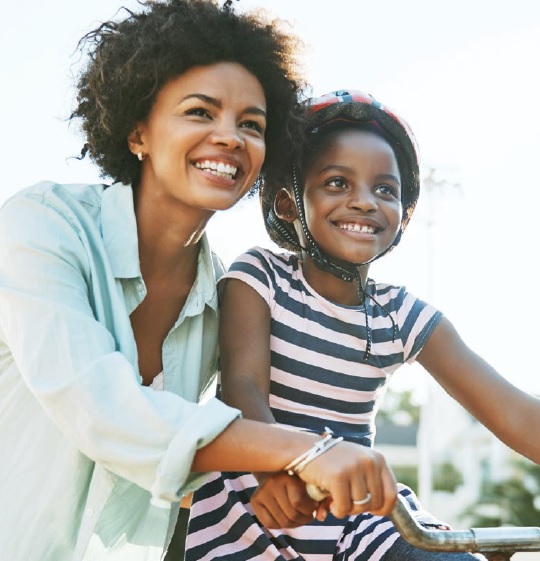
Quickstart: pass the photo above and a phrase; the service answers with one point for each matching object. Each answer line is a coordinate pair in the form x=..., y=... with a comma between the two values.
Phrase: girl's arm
x=245, y=379
x=504, y=409
x=244, y=341
x=280, y=501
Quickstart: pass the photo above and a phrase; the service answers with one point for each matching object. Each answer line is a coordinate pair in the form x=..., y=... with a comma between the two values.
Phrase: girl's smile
x=352, y=196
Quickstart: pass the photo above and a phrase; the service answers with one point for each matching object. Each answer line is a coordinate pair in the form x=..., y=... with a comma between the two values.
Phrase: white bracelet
x=315, y=454
x=327, y=436
x=320, y=447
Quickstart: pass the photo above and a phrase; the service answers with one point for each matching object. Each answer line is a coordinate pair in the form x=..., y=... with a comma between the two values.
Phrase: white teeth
x=218, y=168
x=364, y=229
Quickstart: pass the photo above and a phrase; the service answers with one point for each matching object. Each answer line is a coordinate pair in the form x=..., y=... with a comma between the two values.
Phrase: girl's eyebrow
x=390, y=176
x=217, y=103
x=334, y=167
x=342, y=168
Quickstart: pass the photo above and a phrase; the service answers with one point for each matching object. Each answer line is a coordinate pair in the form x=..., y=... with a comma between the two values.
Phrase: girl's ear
x=284, y=206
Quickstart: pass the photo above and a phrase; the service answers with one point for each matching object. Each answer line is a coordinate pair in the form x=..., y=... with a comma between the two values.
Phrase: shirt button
x=89, y=512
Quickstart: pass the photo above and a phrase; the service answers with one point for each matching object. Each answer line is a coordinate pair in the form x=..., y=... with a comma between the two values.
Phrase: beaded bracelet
x=320, y=447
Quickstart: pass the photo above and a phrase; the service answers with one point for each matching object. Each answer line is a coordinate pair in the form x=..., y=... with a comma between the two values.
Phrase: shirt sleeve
x=416, y=322
x=254, y=269
x=59, y=316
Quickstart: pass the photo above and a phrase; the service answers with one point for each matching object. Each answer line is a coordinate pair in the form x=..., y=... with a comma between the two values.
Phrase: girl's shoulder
x=395, y=297
x=267, y=259
x=275, y=270
x=386, y=291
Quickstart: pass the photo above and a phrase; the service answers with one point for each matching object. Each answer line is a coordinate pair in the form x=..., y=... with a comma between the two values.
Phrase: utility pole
x=434, y=192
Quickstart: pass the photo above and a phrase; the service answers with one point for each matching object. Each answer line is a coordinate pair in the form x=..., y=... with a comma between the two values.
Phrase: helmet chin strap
x=344, y=270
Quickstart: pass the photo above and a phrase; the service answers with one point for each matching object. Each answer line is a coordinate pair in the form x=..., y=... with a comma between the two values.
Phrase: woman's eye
x=198, y=112
x=253, y=125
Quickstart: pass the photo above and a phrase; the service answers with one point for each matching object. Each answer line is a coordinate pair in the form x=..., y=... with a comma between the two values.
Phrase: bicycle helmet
x=356, y=108
x=322, y=115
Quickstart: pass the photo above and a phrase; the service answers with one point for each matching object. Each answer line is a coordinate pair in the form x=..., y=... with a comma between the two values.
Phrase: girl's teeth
x=357, y=228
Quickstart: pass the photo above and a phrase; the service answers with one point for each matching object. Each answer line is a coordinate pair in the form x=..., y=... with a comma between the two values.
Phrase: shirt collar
x=119, y=231
x=204, y=290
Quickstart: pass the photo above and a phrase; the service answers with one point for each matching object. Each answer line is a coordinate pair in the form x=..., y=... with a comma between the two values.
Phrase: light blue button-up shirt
x=88, y=454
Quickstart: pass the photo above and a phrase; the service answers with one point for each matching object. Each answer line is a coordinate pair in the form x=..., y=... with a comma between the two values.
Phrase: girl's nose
x=228, y=134
x=362, y=198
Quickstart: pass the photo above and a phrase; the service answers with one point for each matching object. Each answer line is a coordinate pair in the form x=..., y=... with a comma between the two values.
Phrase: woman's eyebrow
x=217, y=103
x=202, y=97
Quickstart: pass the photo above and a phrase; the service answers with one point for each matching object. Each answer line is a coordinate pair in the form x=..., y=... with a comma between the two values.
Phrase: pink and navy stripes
x=318, y=379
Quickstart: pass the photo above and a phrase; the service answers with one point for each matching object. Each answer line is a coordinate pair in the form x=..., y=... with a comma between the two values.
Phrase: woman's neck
x=168, y=236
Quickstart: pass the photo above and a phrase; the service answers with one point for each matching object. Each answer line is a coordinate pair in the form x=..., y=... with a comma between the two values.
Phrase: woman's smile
x=204, y=140
x=218, y=168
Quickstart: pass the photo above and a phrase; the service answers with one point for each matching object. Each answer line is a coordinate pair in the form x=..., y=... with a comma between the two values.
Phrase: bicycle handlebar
x=482, y=540
x=474, y=540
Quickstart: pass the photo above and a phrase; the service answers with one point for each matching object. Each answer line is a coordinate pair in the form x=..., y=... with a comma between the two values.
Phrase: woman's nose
x=228, y=134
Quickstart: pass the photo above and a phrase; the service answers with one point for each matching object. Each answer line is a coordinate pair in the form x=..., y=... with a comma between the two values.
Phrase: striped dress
x=319, y=378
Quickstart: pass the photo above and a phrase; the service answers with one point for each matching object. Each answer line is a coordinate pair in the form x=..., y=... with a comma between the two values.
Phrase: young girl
x=309, y=340
x=108, y=304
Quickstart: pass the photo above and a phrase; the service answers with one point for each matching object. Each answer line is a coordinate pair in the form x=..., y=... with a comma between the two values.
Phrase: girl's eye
x=388, y=190
x=338, y=182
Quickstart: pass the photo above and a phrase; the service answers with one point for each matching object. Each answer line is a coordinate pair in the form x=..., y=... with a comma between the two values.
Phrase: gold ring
x=364, y=501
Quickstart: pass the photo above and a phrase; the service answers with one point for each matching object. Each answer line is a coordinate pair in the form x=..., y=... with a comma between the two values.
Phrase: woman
x=107, y=294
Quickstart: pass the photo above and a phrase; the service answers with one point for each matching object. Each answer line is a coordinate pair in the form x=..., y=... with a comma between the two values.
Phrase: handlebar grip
x=316, y=493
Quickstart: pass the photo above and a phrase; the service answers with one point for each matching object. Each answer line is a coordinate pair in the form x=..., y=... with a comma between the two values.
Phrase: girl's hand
x=349, y=472
x=281, y=501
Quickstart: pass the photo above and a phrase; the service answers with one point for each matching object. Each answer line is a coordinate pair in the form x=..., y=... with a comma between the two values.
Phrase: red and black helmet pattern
x=356, y=106
x=347, y=106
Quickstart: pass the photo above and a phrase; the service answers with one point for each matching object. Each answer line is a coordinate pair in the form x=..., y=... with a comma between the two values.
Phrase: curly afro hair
x=130, y=60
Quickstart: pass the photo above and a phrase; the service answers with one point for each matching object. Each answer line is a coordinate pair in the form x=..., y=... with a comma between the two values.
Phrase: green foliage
x=408, y=476
x=399, y=407
x=512, y=502
x=446, y=477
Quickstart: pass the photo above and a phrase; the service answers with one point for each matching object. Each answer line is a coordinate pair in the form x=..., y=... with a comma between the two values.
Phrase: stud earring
x=140, y=156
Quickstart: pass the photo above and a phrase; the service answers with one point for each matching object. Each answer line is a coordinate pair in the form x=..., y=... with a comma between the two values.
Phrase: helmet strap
x=341, y=269
x=344, y=270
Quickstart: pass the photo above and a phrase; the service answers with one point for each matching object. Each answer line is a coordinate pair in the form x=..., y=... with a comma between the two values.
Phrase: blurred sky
x=464, y=73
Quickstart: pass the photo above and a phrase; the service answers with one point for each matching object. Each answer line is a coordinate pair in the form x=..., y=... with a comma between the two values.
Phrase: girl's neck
x=329, y=286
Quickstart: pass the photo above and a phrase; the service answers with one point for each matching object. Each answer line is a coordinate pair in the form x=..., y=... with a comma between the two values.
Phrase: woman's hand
x=349, y=472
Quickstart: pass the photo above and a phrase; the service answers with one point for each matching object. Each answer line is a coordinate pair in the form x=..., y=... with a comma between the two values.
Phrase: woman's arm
x=64, y=322
x=66, y=334
x=348, y=471
x=504, y=409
